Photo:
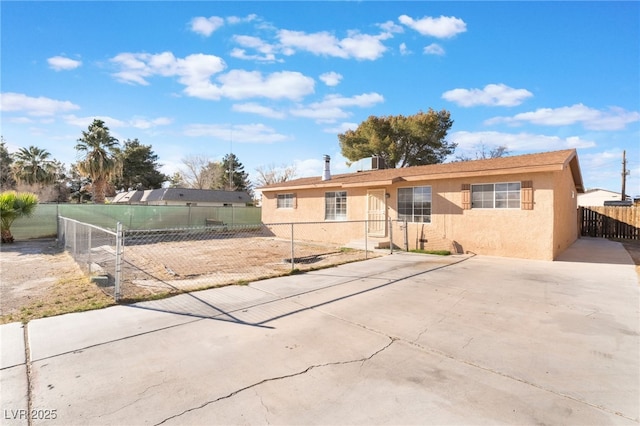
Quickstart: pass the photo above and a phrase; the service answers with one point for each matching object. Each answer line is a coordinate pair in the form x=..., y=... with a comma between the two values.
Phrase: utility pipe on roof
x=326, y=174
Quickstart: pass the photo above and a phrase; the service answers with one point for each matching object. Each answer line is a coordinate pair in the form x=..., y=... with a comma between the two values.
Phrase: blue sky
x=275, y=82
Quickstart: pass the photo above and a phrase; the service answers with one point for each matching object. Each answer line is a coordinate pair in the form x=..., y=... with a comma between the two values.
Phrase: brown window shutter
x=466, y=196
x=526, y=195
x=295, y=200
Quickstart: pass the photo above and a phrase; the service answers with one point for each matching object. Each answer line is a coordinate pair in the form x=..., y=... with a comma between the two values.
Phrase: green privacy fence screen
x=43, y=222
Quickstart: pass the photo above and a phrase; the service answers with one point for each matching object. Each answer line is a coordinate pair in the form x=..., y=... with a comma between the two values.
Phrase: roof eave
x=574, y=164
x=479, y=173
x=383, y=182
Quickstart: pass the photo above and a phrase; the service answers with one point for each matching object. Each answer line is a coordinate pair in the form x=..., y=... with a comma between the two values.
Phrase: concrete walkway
x=402, y=339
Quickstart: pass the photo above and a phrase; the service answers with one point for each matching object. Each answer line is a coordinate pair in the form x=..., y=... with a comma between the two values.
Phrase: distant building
x=184, y=197
x=597, y=197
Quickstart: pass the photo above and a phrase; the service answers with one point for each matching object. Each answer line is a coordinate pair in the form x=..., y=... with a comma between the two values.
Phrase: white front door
x=377, y=212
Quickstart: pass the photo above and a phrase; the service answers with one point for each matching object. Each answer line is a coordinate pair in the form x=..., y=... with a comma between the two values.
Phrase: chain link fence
x=136, y=264
x=96, y=250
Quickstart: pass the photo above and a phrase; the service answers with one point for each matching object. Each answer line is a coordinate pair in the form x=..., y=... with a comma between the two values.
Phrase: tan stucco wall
x=565, y=213
x=541, y=233
x=310, y=208
x=494, y=232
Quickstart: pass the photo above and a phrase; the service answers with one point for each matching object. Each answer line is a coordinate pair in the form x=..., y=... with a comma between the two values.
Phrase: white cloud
x=254, y=108
x=321, y=113
x=468, y=141
x=267, y=51
x=310, y=167
x=19, y=120
x=242, y=54
x=491, y=95
x=206, y=26
x=60, y=63
x=238, y=20
x=241, y=133
x=40, y=106
x=115, y=123
x=391, y=27
x=240, y=84
x=331, y=108
x=404, y=50
x=356, y=45
x=362, y=101
x=604, y=166
x=331, y=78
x=192, y=70
x=614, y=118
x=343, y=127
x=434, y=49
x=143, y=123
x=442, y=27
x=84, y=122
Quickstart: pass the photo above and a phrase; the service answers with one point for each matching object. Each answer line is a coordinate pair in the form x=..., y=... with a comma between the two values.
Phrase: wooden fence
x=610, y=222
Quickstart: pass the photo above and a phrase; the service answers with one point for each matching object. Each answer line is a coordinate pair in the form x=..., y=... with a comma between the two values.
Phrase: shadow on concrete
x=206, y=310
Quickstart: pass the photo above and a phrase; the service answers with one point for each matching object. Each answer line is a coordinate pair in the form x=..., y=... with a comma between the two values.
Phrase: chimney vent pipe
x=326, y=174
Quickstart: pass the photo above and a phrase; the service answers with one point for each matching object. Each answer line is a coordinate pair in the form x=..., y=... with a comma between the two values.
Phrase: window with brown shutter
x=526, y=195
x=466, y=196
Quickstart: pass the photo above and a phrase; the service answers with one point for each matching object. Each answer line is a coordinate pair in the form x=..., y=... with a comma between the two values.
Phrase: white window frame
x=502, y=195
x=285, y=201
x=418, y=213
x=335, y=205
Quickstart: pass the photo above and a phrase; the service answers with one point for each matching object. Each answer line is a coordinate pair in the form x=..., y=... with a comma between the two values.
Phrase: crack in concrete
x=266, y=409
x=272, y=379
x=140, y=397
x=29, y=371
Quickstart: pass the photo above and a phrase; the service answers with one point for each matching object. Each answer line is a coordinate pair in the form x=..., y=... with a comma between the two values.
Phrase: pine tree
x=234, y=177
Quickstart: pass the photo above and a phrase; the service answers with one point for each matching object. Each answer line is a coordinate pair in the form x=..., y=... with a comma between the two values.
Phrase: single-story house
x=597, y=197
x=519, y=206
x=184, y=197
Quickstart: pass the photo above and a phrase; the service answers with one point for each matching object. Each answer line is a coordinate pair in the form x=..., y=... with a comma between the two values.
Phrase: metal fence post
x=293, y=262
x=118, y=271
x=406, y=236
x=366, y=239
x=75, y=241
x=89, y=250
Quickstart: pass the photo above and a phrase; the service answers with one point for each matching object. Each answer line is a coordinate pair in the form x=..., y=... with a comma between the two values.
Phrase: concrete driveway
x=402, y=339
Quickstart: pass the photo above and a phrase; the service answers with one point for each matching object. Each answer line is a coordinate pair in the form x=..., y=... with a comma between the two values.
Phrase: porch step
x=371, y=244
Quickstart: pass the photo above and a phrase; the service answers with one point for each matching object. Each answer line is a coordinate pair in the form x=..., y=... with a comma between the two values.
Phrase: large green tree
x=7, y=181
x=139, y=168
x=34, y=166
x=100, y=161
x=78, y=186
x=14, y=205
x=234, y=177
x=401, y=141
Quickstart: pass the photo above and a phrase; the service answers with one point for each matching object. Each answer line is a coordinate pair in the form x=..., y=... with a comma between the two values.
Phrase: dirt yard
x=189, y=265
x=39, y=279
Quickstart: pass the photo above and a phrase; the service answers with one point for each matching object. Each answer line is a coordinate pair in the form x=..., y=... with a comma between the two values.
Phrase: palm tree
x=33, y=166
x=99, y=159
x=14, y=205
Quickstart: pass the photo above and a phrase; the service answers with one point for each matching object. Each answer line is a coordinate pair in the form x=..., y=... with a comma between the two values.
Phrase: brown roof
x=541, y=162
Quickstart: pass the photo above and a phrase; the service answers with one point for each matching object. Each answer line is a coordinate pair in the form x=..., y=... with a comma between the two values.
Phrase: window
x=285, y=201
x=335, y=205
x=414, y=204
x=496, y=196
